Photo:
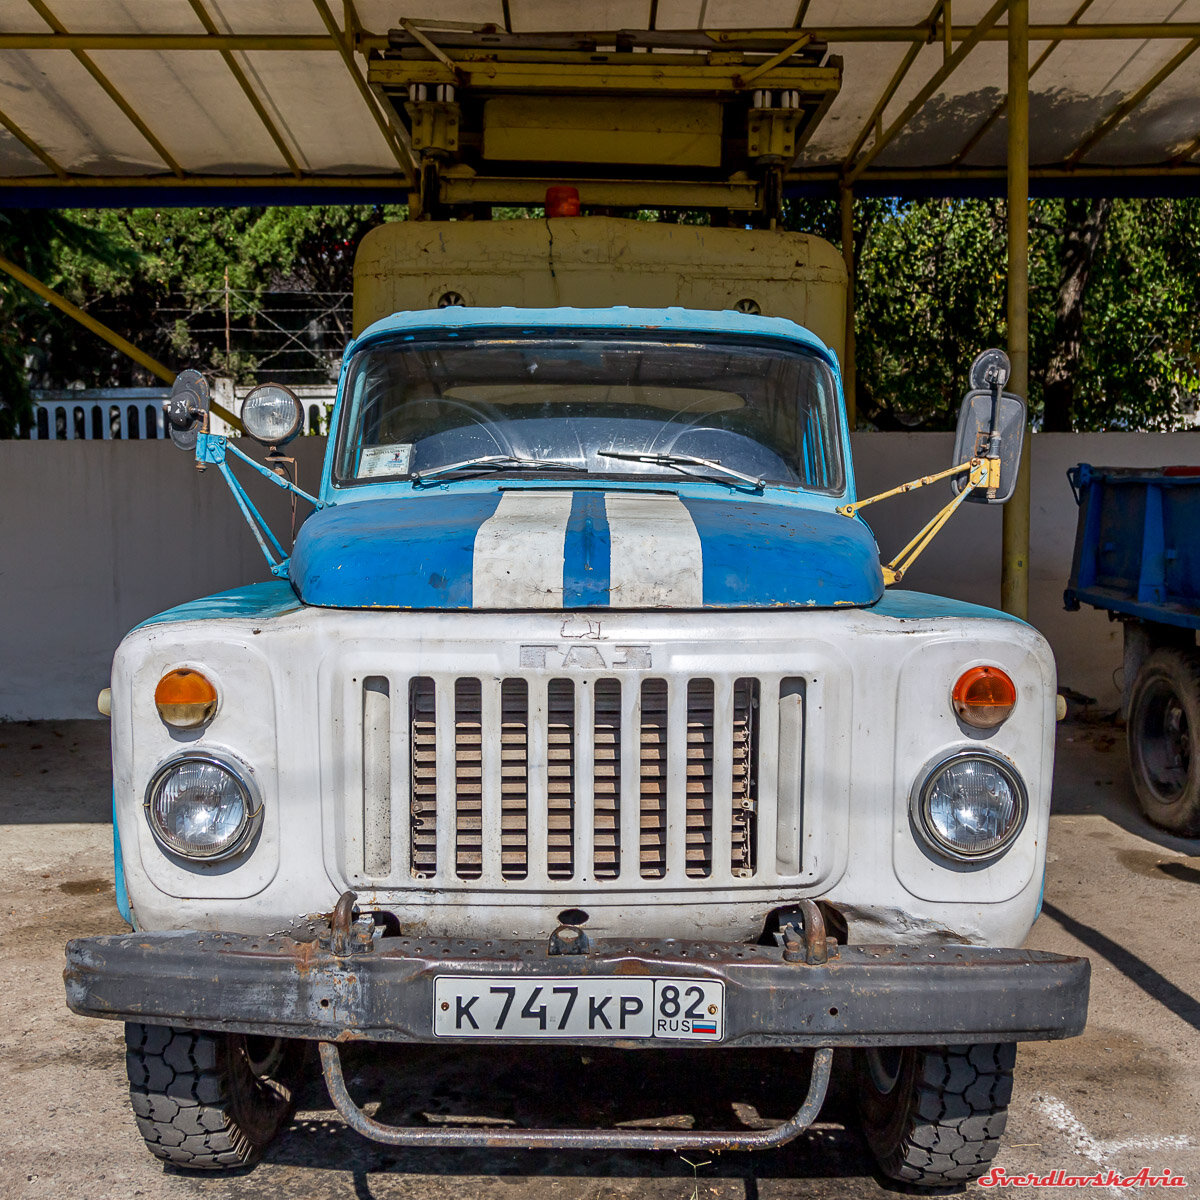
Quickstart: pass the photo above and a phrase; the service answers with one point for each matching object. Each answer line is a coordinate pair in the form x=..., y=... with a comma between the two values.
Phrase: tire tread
x=955, y=1112
x=1181, y=667
x=179, y=1090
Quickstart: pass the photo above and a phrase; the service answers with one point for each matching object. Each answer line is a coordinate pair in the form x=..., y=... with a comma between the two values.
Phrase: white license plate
x=551, y=1006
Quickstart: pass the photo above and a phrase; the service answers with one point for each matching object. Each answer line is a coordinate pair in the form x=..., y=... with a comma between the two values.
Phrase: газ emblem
x=587, y=658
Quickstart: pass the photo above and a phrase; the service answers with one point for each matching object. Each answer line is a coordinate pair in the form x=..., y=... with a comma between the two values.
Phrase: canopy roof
x=101, y=99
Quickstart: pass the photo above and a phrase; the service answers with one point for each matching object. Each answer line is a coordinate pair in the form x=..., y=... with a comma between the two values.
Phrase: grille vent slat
x=700, y=716
x=560, y=801
x=514, y=775
x=714, y=762
x=745, y=776
x=377, y=775
x=653, y=848
x=468, y=779
x=606, y=780
x=423, y=808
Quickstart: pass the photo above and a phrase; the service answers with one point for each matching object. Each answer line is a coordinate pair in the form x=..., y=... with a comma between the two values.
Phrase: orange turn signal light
x=984, y=697
x=185, y=699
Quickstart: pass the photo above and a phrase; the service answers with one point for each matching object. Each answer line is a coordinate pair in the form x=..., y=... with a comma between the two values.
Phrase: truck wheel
x=1164, y=724
x=210, y=1101
x=933, y=1116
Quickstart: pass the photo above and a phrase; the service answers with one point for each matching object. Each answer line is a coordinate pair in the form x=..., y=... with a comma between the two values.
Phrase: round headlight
x=201, y=807
x=272, y=414
x=970, y=806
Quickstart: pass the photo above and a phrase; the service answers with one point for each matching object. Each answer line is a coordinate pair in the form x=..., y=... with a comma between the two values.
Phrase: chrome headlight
x=970, y=806
x=202, y=807
x=272, y=414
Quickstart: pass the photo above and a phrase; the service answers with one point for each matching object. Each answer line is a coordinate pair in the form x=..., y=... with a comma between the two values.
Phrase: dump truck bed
x=1136, y=547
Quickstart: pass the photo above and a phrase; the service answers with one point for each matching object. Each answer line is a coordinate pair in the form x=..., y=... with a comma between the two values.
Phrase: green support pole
x=1014, y=575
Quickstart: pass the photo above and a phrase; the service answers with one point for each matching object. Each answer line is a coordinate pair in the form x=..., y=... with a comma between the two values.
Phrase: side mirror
x=991, y=424
x=185, y=408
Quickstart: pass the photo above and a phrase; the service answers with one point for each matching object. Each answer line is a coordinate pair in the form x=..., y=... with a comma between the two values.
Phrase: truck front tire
x=210, y=1101
x=1163, y=727
x=934, y=1116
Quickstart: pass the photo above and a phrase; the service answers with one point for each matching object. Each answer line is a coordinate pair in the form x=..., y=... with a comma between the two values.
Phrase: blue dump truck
x=582, y=712
x=1137, y=556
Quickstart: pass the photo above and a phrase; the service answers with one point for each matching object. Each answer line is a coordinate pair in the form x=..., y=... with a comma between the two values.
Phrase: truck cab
x=580, y=711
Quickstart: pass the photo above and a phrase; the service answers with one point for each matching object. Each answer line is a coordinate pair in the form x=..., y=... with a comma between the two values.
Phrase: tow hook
x=803, y=935
x=346, y=935
x=568, y=939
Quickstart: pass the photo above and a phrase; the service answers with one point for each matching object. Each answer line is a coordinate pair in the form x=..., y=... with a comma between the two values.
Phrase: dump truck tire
x=210, y=1101
x=1163, y=731
x=934, y=1116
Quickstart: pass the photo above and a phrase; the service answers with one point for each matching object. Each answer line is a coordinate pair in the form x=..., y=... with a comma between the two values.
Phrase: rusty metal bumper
x=382, y=989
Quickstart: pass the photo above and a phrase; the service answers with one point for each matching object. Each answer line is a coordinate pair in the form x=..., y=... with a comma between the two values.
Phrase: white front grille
x=529, y=780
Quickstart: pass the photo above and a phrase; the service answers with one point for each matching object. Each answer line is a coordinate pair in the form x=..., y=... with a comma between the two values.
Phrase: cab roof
x=675, y=319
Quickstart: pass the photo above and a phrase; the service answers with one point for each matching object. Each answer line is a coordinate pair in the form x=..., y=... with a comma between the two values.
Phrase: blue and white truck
x=582, y=711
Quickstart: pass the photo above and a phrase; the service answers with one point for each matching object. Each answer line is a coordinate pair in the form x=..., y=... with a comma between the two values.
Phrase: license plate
x=551, y=1006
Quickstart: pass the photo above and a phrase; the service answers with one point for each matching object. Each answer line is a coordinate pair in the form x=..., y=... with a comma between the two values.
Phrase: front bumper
x=383, y=990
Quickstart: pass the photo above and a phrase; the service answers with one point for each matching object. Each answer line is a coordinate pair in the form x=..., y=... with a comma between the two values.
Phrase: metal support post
x=1014, y=575
x=846, y=197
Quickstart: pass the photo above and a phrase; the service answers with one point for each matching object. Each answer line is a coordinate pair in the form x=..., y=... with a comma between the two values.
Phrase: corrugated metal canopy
x=196, y=94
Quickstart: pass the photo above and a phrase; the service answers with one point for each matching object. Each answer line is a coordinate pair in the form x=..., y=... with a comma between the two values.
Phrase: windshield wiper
x=686, y=460
x=497, y=462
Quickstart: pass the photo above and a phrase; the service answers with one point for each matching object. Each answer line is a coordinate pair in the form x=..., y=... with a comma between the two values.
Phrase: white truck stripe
x=518, y=558
x=657, y=560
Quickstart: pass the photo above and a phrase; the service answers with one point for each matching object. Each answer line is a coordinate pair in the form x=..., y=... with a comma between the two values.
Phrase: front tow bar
x=574, y=1139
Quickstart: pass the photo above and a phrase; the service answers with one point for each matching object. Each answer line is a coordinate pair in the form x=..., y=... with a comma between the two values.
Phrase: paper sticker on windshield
x=385, y=460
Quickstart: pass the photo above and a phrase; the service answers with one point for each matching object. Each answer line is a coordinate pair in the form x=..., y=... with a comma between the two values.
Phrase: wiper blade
x=686, y=460
x=497, y=462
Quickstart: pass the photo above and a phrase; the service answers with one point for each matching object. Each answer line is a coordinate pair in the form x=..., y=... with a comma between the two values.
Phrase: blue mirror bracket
x=211, y=451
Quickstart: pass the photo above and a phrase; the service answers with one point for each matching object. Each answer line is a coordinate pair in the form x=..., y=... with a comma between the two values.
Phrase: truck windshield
x=490, y=401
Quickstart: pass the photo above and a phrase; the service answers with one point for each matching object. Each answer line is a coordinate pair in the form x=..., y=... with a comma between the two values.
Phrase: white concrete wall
x=97, y=536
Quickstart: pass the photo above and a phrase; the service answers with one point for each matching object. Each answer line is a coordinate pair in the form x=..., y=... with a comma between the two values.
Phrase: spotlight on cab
x=272, y=414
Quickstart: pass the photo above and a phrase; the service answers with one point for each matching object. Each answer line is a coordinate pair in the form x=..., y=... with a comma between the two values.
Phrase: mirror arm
x=267, y=473
x=258, y=526
x=894, y=571
x=849, y=510
x=211, y=450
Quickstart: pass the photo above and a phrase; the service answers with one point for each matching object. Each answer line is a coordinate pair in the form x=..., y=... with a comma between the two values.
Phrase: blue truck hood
x=528, y=548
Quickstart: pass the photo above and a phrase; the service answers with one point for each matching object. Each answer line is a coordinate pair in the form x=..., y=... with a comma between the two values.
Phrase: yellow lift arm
x=983, y=472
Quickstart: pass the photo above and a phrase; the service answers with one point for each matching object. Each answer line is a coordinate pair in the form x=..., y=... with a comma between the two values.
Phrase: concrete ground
x=1124, y=1096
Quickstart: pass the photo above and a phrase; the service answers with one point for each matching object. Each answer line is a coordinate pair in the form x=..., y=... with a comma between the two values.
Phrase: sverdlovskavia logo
x=998, y=1177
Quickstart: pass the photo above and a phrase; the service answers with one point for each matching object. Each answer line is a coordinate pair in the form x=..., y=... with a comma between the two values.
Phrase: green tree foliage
x=167, y=276
x=931, y=284
x=1141, y=331
x=51, y=246
x=935, y=271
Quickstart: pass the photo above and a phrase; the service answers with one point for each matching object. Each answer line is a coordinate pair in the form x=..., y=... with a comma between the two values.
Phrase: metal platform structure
x=196, y=97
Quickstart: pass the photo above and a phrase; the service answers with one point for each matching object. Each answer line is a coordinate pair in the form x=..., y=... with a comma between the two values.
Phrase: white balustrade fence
x=101, y=414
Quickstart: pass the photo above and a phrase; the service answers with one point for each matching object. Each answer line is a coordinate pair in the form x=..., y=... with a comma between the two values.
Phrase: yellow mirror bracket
x=984, y=472
x=993, y=474
x=849, y=510
x=905, y=559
